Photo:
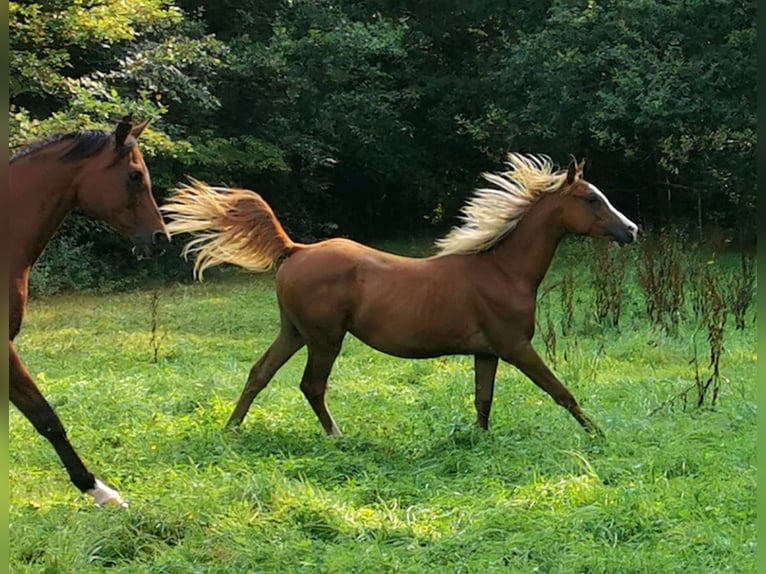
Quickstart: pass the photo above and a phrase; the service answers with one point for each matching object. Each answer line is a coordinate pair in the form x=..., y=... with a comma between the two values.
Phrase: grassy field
x=412, y=486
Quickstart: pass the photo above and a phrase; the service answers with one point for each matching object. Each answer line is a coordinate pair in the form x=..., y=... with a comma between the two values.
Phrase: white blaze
x=632, y=227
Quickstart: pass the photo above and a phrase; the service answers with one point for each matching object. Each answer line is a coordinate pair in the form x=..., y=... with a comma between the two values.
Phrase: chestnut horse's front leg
x=314, y=383
x=23, y=393
x=485, y=368
x=529, y=362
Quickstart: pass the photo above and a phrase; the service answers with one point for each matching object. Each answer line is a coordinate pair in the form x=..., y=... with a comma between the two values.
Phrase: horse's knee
x=312, y=391
x=255, y=381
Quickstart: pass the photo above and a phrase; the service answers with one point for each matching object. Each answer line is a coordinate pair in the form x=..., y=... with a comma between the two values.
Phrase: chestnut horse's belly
x=417, y=318
x=423, y=345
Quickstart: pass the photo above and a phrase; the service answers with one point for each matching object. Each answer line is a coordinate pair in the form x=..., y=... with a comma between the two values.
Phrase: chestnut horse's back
x=398, y=305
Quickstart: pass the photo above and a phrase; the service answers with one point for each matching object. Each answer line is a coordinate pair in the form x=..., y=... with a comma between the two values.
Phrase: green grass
x=411, y=487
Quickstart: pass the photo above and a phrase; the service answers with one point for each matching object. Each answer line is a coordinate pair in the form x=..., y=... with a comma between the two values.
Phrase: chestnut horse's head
x=587, y=211
x=114, y=185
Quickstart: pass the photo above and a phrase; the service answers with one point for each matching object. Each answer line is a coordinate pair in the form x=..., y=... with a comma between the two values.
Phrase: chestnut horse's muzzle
x=623, y=234
x=150, y=245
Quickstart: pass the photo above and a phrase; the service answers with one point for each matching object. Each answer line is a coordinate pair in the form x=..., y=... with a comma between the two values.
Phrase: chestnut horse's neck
x=528, y=251
x=42, y=193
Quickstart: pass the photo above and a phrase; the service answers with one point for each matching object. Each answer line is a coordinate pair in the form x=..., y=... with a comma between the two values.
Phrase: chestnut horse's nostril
x=160, y=239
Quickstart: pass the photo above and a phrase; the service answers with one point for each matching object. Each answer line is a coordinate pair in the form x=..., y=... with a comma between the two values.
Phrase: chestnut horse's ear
x=572, y=172
x=122, y=130
x=137, y=130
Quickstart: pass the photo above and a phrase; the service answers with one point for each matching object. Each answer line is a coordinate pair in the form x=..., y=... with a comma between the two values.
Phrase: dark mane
x=87, y=143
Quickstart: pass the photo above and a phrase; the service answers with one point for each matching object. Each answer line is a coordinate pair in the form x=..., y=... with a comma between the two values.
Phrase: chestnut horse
x=476, y=296
x=104, y=174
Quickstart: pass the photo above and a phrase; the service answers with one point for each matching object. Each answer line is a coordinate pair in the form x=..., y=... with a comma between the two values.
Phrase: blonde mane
x=493, y=212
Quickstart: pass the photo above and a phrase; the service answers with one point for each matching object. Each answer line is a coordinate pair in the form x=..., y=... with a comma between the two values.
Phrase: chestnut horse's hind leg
x=529, y=362
x=285, y=346
x=23, y=393
x=314, y=383
x=485, y=368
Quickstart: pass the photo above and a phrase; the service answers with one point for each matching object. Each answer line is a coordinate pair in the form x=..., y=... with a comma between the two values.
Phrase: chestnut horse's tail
x=229, y=226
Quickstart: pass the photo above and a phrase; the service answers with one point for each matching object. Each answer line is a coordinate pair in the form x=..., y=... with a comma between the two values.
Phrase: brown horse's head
x=587, y=211
x=115, y=186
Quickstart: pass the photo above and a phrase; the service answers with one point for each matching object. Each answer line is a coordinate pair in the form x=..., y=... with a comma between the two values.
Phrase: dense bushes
x=372, y=118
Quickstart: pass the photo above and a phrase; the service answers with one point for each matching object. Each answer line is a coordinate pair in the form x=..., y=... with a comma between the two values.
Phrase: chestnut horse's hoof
x=594, y=430
x=590, y=427
x=105, y=496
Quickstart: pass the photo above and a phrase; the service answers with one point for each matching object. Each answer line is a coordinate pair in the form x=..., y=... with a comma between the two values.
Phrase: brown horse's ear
x=122, y=130
x=137, y=130
x=581, y=166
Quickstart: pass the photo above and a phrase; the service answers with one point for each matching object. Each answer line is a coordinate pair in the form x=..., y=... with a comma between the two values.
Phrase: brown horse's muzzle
x=150, y=245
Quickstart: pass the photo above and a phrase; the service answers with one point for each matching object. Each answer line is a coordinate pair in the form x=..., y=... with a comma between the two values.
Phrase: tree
x=78, y=64
x=660, y=94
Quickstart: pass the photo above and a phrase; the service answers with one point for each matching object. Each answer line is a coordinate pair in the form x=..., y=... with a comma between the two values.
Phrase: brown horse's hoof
x=232, y=424
x=105, y=496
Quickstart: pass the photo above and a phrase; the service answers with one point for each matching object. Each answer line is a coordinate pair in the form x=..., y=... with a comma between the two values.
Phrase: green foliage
x=376, y=118
x=648, y=86
x=68, y=265
x=76, y=65
x=328, y=92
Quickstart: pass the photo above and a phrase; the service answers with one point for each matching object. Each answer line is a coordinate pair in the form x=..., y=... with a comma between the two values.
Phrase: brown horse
x=477, y=296
x=104, y=174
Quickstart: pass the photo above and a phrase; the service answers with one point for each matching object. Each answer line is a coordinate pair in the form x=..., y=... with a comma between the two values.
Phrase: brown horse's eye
x=135, y=179
x=593, y=200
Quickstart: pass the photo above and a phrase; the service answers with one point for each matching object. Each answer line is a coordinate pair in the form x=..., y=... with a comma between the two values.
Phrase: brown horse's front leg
x=23, y=393
x=485, y=367
x=529, y=362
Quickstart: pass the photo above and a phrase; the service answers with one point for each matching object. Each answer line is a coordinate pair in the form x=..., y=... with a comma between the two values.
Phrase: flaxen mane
x=493, y=212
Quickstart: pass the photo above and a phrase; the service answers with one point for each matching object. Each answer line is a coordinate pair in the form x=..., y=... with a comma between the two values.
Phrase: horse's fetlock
x=569, y=403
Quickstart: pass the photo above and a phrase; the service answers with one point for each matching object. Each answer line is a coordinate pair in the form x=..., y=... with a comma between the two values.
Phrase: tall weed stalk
x=154, y=339
x=548, y=335
x=740, y=289
x=709, y=303
x=661, y=276
x=566, y=300
x=607, y=276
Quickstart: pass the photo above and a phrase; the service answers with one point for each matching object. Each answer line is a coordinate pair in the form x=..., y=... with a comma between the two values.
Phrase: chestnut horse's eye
x=593, y=200
x=135, y=176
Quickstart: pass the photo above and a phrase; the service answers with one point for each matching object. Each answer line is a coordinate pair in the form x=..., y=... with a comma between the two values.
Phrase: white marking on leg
x=103, y=495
